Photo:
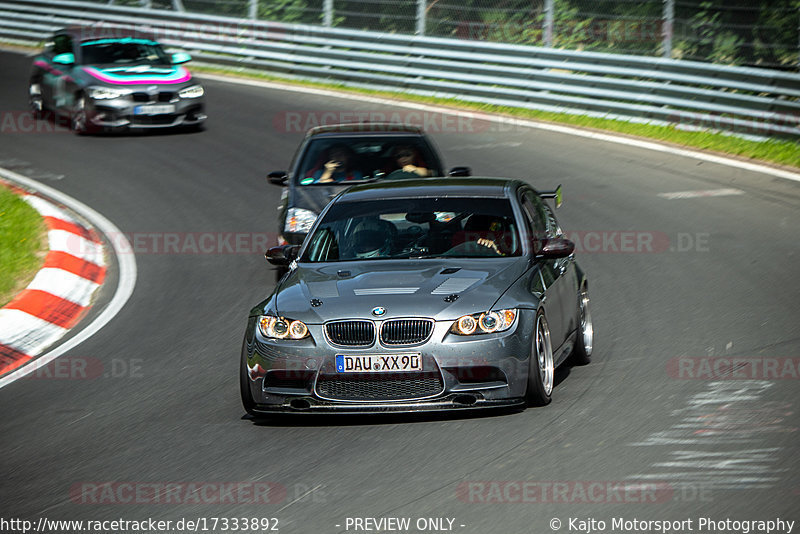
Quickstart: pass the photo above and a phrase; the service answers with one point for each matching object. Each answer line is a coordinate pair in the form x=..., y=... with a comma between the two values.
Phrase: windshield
x=123, y=52
x=415, y=228
x=361, y=158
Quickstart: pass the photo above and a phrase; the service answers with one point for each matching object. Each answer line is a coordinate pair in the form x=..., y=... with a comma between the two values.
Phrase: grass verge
x=23, y=244
x=775, y=151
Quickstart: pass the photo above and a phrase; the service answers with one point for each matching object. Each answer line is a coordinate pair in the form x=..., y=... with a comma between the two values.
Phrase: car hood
x=136, y=75
x=405, y=288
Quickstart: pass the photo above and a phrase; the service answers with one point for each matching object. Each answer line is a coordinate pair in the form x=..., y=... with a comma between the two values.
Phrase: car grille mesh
x=351, y=333
x=379, y=387
x=405, y=331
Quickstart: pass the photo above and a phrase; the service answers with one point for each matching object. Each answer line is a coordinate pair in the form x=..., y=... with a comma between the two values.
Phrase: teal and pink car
x=110, y=78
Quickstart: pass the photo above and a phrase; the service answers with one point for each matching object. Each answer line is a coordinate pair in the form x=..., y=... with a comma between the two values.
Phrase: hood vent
x=386, y=291
x=454, y=285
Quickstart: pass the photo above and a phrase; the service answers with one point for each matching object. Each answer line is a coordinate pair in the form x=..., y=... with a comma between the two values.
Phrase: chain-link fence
x=740, y=32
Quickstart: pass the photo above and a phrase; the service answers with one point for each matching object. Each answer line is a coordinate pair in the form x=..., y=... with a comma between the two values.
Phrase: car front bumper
x=459, y=373
x=121, y=113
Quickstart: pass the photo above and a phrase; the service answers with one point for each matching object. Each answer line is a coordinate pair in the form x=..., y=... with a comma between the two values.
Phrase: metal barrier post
x=548, y=23
x=327, y=18
x=421, y=6
x=666, y=32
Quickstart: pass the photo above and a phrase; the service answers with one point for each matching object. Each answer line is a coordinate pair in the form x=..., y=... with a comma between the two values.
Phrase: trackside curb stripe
x=46, y=306
x=42, y=333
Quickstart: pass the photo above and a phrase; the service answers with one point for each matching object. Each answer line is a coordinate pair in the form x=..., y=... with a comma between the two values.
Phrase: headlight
x=281, y=328
x=195, y=91
x=107, y=93
x=484, y=323
x=299, y=220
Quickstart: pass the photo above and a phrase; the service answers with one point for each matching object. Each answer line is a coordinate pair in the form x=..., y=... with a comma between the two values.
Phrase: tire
x=79, y=121
x=244, y=386
x=35, y=101
x=582, y=353
x=541, y=371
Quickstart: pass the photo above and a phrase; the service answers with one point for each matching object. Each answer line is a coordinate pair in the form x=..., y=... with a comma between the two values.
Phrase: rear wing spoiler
x=555, y=194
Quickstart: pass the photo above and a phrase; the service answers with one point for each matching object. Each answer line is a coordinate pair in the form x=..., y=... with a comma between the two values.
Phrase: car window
x=415, y=228
x=553, y=229
x=535, y=213
x=125, y=51
x=62, y=44
x=360, y=158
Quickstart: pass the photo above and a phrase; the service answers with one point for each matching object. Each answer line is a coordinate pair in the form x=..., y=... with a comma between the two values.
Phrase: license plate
x=154, y=110
x=378, y=363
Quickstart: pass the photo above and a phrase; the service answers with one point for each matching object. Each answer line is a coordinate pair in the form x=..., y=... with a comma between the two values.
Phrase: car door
x=546, y=283
x=55, y=79
x=566, y=276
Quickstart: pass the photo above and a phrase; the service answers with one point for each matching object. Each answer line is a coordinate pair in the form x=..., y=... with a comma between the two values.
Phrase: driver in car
x=338, y=168
x=373, y=238
x=407, y=159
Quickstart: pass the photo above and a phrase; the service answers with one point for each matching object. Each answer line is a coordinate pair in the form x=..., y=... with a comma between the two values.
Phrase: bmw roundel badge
x=377, y=312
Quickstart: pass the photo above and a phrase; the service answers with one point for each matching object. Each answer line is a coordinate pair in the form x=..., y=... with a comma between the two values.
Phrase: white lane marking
x=64, y=284
x=507, y=121
x=47, y=209
x=126, y=263
x=699, y=194
x=27, y=333
x=78, y=246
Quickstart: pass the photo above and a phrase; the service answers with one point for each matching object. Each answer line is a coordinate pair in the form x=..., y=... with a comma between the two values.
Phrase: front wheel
x=35, y=100
x=80, y=118
x=541, y=372
x=582, y=353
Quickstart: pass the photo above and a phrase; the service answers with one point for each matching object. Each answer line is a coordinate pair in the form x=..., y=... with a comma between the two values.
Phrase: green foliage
x=22, y=244
x=288, y=11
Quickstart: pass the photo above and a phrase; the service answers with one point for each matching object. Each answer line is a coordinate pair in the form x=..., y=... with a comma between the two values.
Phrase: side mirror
x=67, y=58
x=460, y=171
x=554, y=248
x=179, y=58
x=282, y=255
x=278, y=177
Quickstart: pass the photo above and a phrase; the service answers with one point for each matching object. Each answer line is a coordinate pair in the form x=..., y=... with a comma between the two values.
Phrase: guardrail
x=754, y=101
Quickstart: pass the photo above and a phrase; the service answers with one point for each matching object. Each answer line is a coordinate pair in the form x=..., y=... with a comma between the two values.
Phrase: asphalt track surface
x=164, y=407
